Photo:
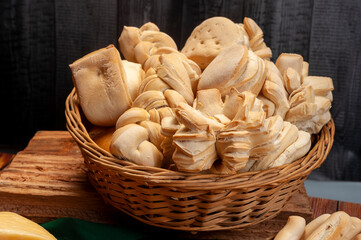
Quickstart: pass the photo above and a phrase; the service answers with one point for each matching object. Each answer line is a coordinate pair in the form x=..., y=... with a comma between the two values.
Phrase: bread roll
x=305, y=67
x=194, y=119
x=287, y=136
x=256, y=42
x=149, y=100
x=169, y=126
x=132, y=115
x=321, y=85
x=152, y=82
x=132, y=143
x=235, y=67
x=274, y=90
x=227, y=67
x=335, y=227
x=173, y=73
x=234, y=148
x=292, y=80
x=268, y=106
x=209, y=102
x=137, y=44
x=100, y=81
x=290, y=60
x=357, y=237
x=128, y=39
x=314, y=224
x=134, y=76
x=174, y=98
x=195, y=149
x=154, y=132
x=295, y=151
x=210, y=37
x=149, y=26
x=293, y=229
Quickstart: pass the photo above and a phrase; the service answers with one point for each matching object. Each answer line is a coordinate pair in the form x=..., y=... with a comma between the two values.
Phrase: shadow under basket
x=191, y=201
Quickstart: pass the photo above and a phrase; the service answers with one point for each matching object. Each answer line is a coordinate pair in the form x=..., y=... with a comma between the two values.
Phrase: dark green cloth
x=75, y=229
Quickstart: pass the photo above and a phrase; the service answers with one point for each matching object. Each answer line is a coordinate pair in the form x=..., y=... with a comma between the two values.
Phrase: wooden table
x=47, y=181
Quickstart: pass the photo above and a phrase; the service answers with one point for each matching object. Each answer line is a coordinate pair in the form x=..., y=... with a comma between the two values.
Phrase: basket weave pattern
x=188, y=201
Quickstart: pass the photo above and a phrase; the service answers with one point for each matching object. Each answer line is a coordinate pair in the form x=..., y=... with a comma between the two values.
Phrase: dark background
x=40, y=38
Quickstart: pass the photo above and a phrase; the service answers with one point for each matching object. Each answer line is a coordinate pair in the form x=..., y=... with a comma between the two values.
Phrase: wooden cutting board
x=48, y=180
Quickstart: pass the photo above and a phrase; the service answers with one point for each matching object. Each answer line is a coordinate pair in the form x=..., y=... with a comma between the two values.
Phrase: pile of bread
x=217, y=105
x=336, y=226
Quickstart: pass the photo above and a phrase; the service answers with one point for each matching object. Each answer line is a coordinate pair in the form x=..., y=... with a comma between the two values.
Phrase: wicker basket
x=188, y=201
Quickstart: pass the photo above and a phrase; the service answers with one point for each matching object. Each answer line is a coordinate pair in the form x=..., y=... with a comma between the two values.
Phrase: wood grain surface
x=48, y=180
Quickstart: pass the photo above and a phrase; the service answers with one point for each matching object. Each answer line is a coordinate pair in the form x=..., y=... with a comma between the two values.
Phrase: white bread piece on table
x=100, y=81
x=132, y=142
x=295, y=151
x=293, y=229
x=209, y=38
x=256, y=41
x=314, y=224
x=132, y=115
x=290, y=60
x=357, y=237
x=335, y=227
x=134, y=76
x=355, y=228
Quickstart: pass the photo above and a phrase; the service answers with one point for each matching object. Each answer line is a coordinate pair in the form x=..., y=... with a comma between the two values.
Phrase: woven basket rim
x=201, y=181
